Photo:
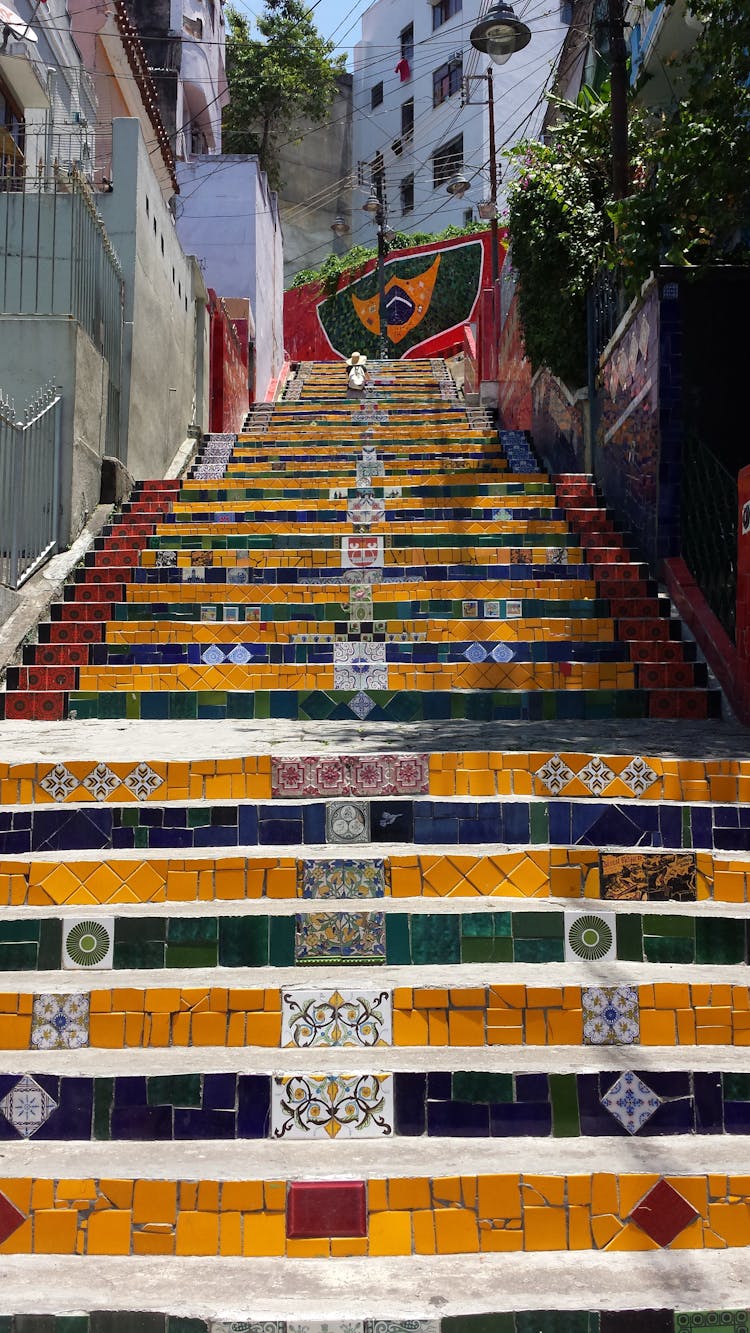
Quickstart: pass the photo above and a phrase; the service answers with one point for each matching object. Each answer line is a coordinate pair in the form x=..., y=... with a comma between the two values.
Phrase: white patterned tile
x=611, y=1016
x=88, y=943
x=631, y=1101
x=327, y=1106
x=59, y=782
x=27, y=1106
x=101, y=782
x=596, y=775
x=142, y=781
x=638, y=776
x=590, y=937
x=362, y=705
x=60, y=1022
x=347, y=821
x=555, y=775
x=332, y=1018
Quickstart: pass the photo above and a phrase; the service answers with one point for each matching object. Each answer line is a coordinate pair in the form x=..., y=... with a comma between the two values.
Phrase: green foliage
x=284, y=76
x=350, y=265
x=559, y=228
x=689, y=197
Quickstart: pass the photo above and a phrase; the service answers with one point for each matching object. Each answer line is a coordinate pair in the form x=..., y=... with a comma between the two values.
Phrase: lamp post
x=375, y=206
x=498, y=35
x=457, y=180
x=618, y=87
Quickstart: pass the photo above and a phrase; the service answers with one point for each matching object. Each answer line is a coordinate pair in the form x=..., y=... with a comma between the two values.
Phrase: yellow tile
x=109, y=1233
x=389, y=1233
x=154, y=1201
x=408, y=1193
x=55, y=1231
x=264, y=1234
x=197, y=1233
x=456, y=1231
x=544, y=1228
x=243, y=1196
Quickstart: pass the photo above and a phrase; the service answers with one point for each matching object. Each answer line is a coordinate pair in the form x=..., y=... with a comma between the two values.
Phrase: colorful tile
x=342, y=879
x=310, y=1106
x=663, y=1214
x=88, y=943
x=590, y=936
x=631, y=1101
x=347, y=821
x=316, y=1018
x=27, y=1106
x=60, y=1022
x=610, y=1016
x=343, y=937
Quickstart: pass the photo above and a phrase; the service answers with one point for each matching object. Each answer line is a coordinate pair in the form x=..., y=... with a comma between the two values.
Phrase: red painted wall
x=513, y=374
x=304, y=339
x=229, y=392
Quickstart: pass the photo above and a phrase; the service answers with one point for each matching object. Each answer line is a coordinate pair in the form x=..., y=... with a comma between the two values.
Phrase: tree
x=284, y=76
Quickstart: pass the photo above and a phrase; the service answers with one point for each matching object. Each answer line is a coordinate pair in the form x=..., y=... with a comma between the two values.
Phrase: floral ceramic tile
x=631, y=1101
x=611, y=1016
x=307, y=1106
x=60, y=1022
x=88, y=943
x=322, y=1018
x=590, y=936
x=341, y=879
x=339, y=937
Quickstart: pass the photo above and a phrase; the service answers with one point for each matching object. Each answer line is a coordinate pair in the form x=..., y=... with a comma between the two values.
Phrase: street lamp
x=375, y=206
x=499, y=34
x=458, y=185
x=340, y=226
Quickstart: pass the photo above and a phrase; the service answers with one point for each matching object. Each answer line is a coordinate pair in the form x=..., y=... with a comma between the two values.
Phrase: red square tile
x=663, y=1214
x=10, y=1218
x=326, y=1208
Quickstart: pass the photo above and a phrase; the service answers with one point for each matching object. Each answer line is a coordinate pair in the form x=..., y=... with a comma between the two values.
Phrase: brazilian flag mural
x=425, y=294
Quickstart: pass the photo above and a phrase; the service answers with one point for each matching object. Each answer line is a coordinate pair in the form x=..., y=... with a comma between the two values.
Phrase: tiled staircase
x=413, y=992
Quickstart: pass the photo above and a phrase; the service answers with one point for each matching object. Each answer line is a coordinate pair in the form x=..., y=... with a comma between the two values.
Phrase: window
x=194, y=27
x=407, y=119
x=444, y=10
x=12, y=141
x=407, y=43
x=406, y=190
x=376, y=95
x=447, y=160
x=447, y=80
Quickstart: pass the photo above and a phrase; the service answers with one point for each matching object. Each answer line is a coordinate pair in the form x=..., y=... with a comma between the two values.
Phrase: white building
x=411, y=121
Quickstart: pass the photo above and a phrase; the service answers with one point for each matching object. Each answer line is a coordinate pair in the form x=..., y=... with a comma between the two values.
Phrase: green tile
x=629, y=937
x=435, y=939
x=50, y=944
x=719, y=940
x=687, y=837
x=486, y=951
x=538, y=951
x=281, y=941
x=175, y=1324
x=19, y=957
x=538, y=925
x=71, y=1323
x=397, y=939
x=104, y=1091
x=140, y=842
x=539, y=820
x=660, y=949
x=243, y=941
x=478, y=1323
x=174, y=1090
x=195, y=931
x=199, y=816
x=469, y=1086
x=479, y=924
x=566, y=1122
x=676, y=927
x=20, y=932
x=736, y=1087
x=555, y=1321
x=191, y=955
x=129, y=818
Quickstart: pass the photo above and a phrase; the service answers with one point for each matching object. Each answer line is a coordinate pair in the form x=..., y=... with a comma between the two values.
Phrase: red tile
x=10, y=1218
x=326, y=1208
x=663, y=1214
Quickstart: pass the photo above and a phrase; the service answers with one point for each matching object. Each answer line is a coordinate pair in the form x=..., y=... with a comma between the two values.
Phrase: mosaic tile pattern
x=466, y=1104
x=528, y=1321
x=389, y=1216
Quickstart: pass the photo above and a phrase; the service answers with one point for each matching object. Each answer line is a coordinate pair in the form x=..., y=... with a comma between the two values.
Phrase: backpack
x=357, y=377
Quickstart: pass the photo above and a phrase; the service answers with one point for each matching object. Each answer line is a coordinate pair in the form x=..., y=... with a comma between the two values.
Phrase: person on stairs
x=357, y=378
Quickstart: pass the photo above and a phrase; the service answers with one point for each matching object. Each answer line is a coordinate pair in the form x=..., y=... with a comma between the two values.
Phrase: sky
x=338, y=19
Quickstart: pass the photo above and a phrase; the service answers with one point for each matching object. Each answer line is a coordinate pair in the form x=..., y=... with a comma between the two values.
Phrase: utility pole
x=619, y=98
x=380, y=219
x=493, y=177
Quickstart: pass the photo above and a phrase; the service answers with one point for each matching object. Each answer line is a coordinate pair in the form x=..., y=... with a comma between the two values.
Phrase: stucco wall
x=229, y=218
x=165, y=371
x=319, y=161
x=35, y=349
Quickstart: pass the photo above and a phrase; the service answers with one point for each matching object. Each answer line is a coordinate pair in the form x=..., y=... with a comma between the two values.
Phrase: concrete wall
x=38, y=348
x=315, y=189
x=165, y=343
x=229, y=219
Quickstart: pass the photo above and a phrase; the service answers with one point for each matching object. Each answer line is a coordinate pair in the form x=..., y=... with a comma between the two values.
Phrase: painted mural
x=431, y=292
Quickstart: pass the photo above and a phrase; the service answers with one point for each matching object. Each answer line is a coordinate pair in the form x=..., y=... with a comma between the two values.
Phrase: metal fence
x=57, y=259
x=29, y=485
x=709, y=529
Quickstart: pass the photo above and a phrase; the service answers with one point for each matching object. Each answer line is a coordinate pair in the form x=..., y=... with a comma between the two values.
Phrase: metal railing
x=709, y=529
x=607, y=307
x=57, y=259
x=30, y=452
